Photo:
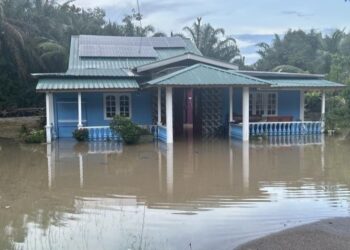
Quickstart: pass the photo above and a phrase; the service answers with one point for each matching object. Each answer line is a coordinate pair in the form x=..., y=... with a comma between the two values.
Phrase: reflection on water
x=204, y=194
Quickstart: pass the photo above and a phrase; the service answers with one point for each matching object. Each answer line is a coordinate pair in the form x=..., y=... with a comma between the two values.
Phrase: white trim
x=323, y=111
x=70, y=121
x=80, y=112
x=117, y=107
x=48, y=116
x=245, y=114
x=302, y=105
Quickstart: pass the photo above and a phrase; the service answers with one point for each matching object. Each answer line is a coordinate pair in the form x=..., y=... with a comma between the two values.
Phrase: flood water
x=210, y=194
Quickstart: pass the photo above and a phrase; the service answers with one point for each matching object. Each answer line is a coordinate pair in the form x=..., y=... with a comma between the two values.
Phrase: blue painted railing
x=285, y=128
x=277, y=128
x=236, y=131
x=161, y=133
x=102, y=133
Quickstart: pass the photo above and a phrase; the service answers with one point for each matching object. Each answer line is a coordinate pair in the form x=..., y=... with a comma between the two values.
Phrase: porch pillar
x=169, y=114
x=323, y=111
x=231, y=103
x=48, y=119
x=159, y=108
x=302, y=105
x=80, y=123
x=245, y=114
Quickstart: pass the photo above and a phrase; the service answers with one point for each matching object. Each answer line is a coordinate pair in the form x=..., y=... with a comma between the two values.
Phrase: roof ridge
x=197, y=65
x=239, y=74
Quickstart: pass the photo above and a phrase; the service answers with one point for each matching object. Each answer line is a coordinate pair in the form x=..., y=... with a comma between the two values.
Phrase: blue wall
x=66, y=110
x=289, y=103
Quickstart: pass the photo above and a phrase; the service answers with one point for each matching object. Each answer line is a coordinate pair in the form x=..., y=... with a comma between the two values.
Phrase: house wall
x=288, y=103
x=66, y=111
x=66, y=108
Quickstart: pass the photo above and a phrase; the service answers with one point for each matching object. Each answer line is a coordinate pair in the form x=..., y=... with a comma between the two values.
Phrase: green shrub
x=81, y=134
x=35, y=136
x=129, y=132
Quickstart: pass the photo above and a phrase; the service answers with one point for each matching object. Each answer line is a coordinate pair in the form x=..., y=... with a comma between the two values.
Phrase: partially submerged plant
x=35, y=136
x=129, y=131
x=32, y=135
x=81, y=134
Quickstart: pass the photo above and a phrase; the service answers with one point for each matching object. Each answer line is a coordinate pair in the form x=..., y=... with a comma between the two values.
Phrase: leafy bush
x=35, y=136
x=129, y=132
x=81, y=134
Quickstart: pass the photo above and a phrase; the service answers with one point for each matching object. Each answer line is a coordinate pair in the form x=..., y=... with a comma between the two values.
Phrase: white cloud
x=244, y=43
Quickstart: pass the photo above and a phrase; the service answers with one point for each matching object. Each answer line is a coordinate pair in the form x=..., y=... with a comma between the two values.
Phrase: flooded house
x=167, y=85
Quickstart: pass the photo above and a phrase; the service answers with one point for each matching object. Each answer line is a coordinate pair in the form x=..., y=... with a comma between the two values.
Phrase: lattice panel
x=212, y=106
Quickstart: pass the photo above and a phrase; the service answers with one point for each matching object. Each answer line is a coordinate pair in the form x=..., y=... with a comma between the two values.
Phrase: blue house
x=166, y=84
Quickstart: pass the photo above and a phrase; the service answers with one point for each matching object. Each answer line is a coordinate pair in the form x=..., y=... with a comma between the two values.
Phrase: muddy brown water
x=209, y=194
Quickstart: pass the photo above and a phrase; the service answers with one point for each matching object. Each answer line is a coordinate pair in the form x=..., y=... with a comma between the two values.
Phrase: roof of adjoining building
x=205, y=75
x=294, y=80
x=305, y=83
x=56, y=84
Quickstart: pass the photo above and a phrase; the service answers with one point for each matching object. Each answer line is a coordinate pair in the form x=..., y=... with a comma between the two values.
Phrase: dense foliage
x=35, y=37
x=213, y=42
x=129, y=131
x=299, y=52
x=81, y=134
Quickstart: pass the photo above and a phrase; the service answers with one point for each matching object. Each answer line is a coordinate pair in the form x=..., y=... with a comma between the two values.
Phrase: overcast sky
x=249, y=22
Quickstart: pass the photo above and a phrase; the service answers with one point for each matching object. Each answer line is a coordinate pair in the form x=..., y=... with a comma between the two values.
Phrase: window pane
x=110, y=106
x=124, y=105
x=272, y=103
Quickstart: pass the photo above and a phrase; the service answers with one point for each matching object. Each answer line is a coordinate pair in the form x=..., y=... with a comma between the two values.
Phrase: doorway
x=198, y=112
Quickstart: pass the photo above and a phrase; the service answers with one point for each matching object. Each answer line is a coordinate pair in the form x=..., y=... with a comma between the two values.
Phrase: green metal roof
x=304, y=83
x=59, y=84
x=204, y=75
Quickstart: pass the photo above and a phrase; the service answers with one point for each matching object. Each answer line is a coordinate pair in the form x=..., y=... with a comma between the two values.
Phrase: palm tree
x=213, y=42
x=12, y=42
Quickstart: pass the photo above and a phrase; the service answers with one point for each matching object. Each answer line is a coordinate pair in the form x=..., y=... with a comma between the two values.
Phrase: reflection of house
x=167, y=82
x=186, y=176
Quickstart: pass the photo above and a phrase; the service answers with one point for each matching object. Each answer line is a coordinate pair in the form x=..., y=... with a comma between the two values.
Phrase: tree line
x=313, y=52
x=35, y=37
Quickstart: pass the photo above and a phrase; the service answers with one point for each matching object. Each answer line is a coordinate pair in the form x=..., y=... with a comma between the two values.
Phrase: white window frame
x=265, y=102
x=117, y=106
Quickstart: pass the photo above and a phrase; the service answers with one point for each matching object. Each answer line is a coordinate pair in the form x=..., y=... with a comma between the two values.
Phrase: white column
x=245, y=165
x=245, y=113
x=160, y=175
x=159, y=108
x=81, y=170
x=80, y=123
x=302, y=105
x=48, y=120
x=323, y=111
x=169, y=114
x=170, y=170
x=231, y=103
x=50, y=164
